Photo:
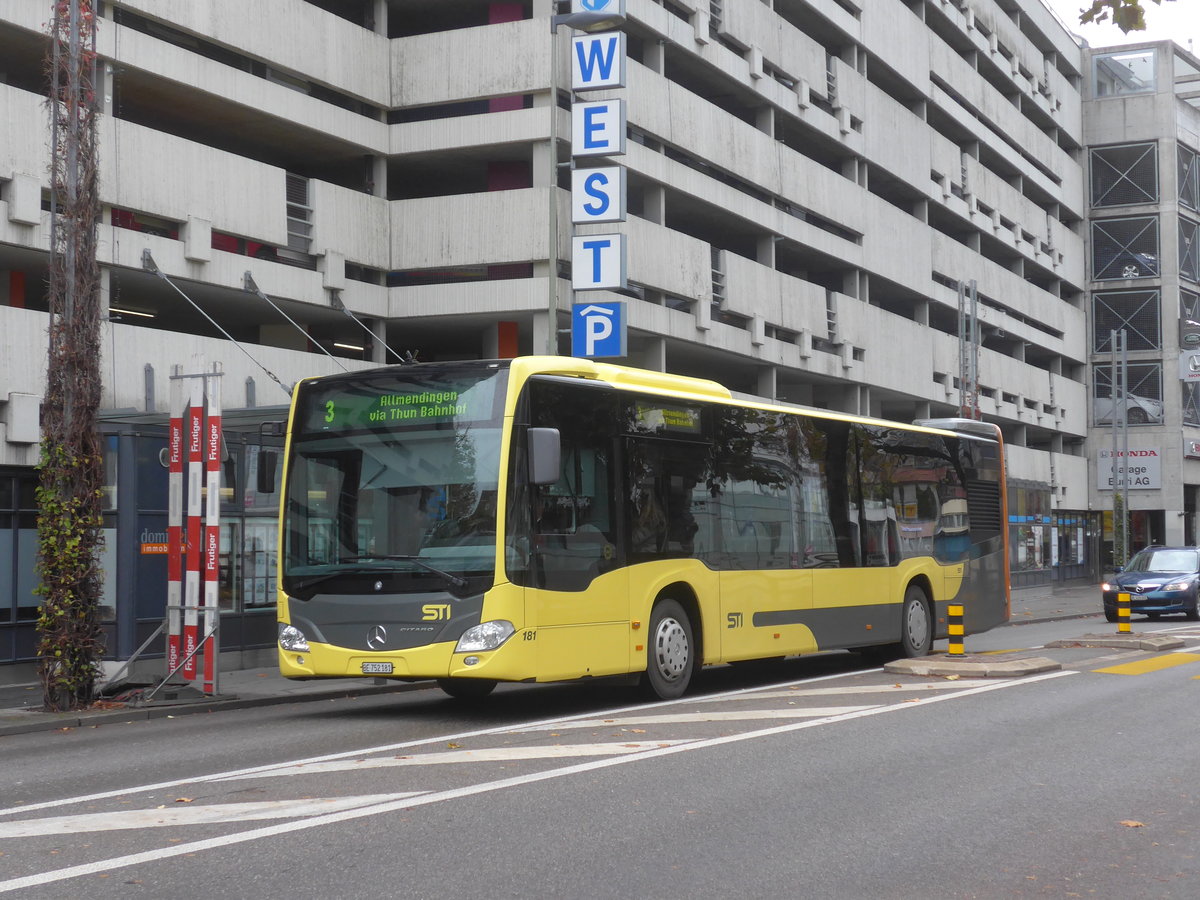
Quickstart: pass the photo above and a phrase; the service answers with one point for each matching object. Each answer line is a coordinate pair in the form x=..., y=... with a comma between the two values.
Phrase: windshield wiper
x=452, y=579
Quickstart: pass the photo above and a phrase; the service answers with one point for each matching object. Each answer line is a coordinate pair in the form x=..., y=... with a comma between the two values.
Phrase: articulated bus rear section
x=548, y=519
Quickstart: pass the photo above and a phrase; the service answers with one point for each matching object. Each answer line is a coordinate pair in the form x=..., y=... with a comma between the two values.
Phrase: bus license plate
x=377, y=668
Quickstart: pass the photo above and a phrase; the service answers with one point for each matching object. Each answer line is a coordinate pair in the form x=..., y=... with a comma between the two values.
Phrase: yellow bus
x=551, y=519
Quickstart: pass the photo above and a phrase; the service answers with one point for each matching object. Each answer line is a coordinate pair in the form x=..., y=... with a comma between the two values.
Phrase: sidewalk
x=20, y=705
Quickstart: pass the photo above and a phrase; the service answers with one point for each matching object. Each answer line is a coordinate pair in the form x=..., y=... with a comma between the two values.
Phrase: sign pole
x=175, y=520
x=212, y=528
x=195, y=443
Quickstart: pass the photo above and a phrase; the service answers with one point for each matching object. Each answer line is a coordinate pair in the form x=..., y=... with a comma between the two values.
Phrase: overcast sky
x=1177, y=20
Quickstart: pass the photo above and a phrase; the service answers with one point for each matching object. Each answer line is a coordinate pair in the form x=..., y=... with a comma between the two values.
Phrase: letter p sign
x=598, y=329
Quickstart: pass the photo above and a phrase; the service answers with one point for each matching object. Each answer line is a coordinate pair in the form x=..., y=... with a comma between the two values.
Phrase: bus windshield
x=393, y=476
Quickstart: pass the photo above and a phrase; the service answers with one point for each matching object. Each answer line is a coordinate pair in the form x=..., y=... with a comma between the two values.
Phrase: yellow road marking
x=1153, y=664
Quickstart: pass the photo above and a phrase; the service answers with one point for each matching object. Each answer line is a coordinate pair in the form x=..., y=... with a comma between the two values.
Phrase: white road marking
x=178, y=814
x=739, y=715
x=105, y=865
x=841, y=691
x=486, y=754
x=368, y=751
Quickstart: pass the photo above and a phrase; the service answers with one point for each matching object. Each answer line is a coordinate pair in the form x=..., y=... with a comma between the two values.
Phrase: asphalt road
x=814, y=778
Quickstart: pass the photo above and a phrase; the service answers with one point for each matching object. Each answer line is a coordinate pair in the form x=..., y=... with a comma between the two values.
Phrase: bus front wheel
x=670, y=654
x=467, y=688
x=916, y=624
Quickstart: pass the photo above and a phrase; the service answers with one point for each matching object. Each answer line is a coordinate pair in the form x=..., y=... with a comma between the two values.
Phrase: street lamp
x=593, y=15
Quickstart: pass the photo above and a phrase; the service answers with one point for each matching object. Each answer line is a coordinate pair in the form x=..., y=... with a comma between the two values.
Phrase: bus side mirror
x=545, y=455
x=268, y=460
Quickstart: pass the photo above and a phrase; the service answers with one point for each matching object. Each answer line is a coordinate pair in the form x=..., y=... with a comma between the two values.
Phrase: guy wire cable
x=150, y=266
x=250, y=285
x=338, y=304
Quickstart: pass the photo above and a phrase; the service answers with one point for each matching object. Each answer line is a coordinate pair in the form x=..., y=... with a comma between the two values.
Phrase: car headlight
x=1177, y=586
x=485, y=636
x=1108, y=587
x=292, y=638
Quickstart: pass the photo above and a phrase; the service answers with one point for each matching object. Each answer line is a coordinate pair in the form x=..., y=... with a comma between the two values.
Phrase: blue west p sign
x=598, y=329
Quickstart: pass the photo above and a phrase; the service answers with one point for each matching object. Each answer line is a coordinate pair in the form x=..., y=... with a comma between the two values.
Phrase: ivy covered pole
x=71, y=469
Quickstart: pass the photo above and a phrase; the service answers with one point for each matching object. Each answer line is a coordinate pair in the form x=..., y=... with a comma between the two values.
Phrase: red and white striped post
x=195, y=441
x=212, y=528
x=175, y=521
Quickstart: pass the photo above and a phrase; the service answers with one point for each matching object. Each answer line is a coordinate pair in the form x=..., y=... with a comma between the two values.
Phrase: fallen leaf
x=638, y=730
x=913, y=700
x=1132, y=823
x=184, y=799
x=453, y=746
x=952, y=678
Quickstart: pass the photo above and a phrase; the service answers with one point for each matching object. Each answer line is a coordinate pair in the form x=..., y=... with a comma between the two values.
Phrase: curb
x=973, y=666
x=1123, y=642
x=24, y=723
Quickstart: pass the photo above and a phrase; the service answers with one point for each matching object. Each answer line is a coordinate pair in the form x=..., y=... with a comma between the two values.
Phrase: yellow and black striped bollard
x=954, y=629
x=1123, y=613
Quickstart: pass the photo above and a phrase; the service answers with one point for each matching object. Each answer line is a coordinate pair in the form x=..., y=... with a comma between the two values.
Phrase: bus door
x=577, y=592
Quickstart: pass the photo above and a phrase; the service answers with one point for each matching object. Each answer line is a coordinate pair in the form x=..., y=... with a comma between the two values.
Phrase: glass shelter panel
x=1115, y=74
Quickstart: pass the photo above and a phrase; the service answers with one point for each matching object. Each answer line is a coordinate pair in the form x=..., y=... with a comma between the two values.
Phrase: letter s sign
x=598, y=195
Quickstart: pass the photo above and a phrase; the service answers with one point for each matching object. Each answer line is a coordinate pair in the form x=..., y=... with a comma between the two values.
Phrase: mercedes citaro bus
x=549, y=519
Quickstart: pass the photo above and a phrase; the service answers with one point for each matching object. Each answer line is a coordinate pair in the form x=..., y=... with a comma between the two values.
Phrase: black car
x=1159, y=580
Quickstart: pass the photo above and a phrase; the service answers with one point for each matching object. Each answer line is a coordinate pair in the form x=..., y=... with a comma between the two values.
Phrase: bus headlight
x=485, y=636
x=292, y=638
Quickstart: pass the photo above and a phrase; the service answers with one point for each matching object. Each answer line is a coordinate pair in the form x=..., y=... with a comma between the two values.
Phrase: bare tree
x=71, y=469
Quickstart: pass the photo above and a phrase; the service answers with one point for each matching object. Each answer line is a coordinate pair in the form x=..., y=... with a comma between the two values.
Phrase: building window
x=1125, y=174
x=1143, y=402
x=1189, y=178
x=1189, y=249
x=1138, y=312
x=1125, y=248
x=1117, y=74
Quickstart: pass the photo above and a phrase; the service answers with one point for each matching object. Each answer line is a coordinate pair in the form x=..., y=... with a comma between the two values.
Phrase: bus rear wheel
x=467, y=688
x=670, y=653
x=916, y=624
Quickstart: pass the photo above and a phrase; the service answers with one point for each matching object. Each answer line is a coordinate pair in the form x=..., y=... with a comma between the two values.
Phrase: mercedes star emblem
x=377, y=637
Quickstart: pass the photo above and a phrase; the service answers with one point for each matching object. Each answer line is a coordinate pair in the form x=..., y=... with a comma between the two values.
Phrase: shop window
x=1124, y=174
x=1125, y=248
x=1137, y=312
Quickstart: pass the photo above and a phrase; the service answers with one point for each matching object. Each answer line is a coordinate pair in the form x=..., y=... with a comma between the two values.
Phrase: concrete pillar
x=653, y=57
x=379, y=333
x=379, y=12
x=764, y=251
x=379, y=176
x=541, y=331
x=654, y=204
x=768, y=382
x=654, y=357
x=105, y=290
x=1173, y=521
x=764, y=120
